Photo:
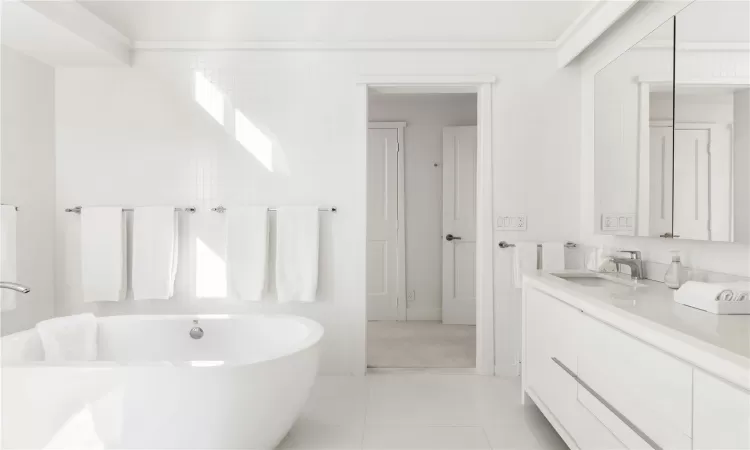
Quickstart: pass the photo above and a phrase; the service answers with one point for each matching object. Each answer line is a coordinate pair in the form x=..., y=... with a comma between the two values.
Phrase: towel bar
x=504, y=244
x=78, y=209
x=220, y=209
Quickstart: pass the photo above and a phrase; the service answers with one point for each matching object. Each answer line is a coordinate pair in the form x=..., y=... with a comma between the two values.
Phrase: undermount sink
x=594, y=280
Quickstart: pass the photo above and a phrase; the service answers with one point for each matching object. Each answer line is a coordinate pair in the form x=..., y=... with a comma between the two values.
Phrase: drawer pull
x=606, y=404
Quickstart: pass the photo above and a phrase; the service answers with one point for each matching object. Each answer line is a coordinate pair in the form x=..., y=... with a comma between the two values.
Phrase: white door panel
x=691, y=184
x=459, y=220
x=382, y=224
x=660, y=185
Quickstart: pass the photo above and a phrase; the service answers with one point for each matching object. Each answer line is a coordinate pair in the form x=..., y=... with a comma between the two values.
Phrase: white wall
x=426, y=115
x=135, y=136
x=27, y=152
x=711, y=256
x=742, y=166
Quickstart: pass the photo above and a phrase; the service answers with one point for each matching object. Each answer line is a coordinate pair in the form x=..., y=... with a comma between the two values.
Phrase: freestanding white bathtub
x=241, y=386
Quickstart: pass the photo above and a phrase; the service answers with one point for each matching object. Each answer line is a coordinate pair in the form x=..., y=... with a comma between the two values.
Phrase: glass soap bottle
x=674, y=276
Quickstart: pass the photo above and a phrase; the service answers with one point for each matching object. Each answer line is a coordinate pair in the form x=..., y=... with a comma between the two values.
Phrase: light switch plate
x=511, y=223
x=618, y=222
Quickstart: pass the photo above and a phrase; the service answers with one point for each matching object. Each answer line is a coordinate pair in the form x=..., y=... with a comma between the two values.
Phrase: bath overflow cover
x=196, y=332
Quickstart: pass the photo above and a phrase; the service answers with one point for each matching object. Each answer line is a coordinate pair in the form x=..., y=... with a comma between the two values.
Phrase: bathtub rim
x=316, y=334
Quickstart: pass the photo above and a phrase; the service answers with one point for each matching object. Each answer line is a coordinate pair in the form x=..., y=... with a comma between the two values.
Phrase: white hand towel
x=524, y=260
x=70, y=338
x=247, y=251
x=103, y=254
x=297, y=244
x=8, y=264
x=155, y=240
x=553, y=256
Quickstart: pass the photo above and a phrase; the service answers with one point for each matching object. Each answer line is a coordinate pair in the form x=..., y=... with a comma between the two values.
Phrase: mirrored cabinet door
x=712, y=118
x=634, y=139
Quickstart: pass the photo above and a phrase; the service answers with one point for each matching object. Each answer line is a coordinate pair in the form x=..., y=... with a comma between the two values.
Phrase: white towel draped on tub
x=155, y=239
x=71, y=338
x=524, y=260
x=247, y=251
x=103, y=254
x=297, y=245
x=7, y=255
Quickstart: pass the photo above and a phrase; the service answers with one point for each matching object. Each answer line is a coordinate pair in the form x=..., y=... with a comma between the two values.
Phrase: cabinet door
x=721, y=414
x=649, y=388
x=551, y=335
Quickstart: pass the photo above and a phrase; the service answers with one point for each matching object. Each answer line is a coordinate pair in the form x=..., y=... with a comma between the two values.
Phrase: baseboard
x=426, y=370
x=424, y=314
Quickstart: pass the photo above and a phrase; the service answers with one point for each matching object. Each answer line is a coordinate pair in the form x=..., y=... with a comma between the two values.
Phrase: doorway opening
x=422, y=228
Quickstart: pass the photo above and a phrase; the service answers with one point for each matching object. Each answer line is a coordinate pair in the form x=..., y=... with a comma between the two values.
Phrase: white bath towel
x=717, y=298
x=297, y=245
x=70, y=338
x=8, y=263
x=553, y=256
x=247, y=251
x=524, y=260
x=155, y=240
x=103, y=254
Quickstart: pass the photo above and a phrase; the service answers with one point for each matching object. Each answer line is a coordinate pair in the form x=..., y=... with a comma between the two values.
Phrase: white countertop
x=718, y=344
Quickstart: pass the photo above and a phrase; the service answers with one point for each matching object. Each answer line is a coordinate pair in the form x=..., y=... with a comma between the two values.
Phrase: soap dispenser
x=674, y=276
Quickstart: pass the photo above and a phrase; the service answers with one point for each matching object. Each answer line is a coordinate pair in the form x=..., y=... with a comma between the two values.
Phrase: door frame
x=482, y=85
x=401, y=194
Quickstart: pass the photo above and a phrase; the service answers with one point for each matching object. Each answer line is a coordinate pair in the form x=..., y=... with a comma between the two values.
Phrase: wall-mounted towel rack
x=504, y=244
x=220, y=209
x=77, y=209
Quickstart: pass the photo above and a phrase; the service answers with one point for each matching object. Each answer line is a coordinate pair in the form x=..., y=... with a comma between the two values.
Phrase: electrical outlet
x=511, y=223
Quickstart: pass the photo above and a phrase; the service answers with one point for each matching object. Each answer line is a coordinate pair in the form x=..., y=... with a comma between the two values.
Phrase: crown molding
x=343, y=46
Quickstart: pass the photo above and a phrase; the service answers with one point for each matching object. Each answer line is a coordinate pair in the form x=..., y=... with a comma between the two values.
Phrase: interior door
x=691, y=184
x=660, y=181
x=459, y=225
x=382, y=224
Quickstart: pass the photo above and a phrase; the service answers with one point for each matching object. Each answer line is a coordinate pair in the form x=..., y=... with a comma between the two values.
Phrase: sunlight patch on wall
x=210, y=272
x=254, y=141
x=209, y=97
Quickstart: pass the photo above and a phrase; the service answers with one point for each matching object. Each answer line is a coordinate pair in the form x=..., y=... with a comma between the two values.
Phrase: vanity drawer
x=648, y=388
x=721, y=414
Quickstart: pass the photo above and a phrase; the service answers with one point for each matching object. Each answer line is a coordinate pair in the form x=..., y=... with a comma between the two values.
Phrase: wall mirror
x=712, y=118
x=672, y=131
x=633, y=138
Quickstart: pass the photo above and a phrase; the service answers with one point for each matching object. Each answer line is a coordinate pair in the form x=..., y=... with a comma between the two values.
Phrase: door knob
x=450, y=237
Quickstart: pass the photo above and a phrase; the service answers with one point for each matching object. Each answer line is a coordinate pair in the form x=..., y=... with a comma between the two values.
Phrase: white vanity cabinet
x=605, y=388
x=721, y=417
x=551, y=334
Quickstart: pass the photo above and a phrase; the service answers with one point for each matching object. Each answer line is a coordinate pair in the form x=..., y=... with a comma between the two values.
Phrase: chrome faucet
x=634, y=262
x=14, y=287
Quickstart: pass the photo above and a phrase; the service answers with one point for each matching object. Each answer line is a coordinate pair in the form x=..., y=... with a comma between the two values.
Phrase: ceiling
x=340, y=21
x=713, y=21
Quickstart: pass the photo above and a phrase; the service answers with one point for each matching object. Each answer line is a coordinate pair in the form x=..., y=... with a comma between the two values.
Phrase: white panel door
x=459, y=225
x=721, y=414
x=382, y=225
x=660, y=184
x=691, y=184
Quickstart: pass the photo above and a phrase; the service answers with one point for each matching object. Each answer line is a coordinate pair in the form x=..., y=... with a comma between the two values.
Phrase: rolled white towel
x=740, y=290
x=712, y=297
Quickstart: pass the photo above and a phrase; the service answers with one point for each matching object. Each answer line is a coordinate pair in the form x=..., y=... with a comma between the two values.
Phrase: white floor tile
x=310, y=435
x=420, y=411
x=426, y=438
x=338, y=401
x=425, y=400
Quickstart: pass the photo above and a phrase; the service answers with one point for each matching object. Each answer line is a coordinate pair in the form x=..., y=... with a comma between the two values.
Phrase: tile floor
x=425, y=411
x=420, y=344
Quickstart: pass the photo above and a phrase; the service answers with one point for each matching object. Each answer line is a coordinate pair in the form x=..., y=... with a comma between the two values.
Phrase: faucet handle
x=634, y=254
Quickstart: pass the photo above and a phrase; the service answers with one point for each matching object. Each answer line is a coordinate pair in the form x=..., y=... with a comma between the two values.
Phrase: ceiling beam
x=591, y=24
x=87, y=26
